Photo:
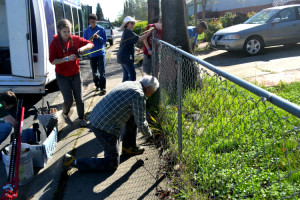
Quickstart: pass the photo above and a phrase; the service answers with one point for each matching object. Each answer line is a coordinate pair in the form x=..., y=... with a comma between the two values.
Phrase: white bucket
x=25, y=167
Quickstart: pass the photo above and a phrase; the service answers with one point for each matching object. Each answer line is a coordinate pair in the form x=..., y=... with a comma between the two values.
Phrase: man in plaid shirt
x=125, y=104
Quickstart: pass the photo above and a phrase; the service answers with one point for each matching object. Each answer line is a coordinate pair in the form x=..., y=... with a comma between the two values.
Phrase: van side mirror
x=275, y=20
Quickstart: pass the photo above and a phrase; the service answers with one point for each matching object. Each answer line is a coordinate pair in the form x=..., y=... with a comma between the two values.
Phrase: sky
x=110, y=8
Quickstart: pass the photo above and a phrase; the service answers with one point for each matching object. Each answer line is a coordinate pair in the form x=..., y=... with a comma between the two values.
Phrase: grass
x=239, y=146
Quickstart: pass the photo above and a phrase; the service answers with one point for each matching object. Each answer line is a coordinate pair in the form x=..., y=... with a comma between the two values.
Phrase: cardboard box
x=43, y=152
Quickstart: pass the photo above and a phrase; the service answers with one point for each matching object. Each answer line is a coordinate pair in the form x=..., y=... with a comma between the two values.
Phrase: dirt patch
x=274, y=79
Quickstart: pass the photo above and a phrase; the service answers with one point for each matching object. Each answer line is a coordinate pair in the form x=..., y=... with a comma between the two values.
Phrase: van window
x=58, y=10
x=33, y=30
x=75, y=18
x=68, y=14
x=80, y=22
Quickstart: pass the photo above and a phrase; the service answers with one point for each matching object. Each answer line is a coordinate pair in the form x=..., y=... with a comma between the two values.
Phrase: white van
x=26, y=31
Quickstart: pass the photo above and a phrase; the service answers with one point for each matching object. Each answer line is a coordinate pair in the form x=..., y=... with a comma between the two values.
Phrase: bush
x=250, y=14
x=240, y=18
x=213, y=26
x=140, y=27
x=227, y=19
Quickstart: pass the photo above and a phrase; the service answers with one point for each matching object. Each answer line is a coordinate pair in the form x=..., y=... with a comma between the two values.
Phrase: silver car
x=271, y=26
x=108, y=30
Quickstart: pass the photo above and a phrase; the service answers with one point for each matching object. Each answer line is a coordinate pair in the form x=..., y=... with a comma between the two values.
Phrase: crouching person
x=125, y=104
x=7, y=100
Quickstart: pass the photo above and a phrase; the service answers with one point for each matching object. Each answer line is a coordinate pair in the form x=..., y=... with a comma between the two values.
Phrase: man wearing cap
x=126, y=51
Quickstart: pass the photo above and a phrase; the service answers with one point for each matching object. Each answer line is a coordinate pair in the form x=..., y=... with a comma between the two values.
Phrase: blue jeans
x=98, y=64
x=5, y=129
x=111, y=146
x=129, y=73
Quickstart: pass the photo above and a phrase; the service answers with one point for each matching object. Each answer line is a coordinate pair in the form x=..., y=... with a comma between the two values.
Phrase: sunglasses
x=133, y=23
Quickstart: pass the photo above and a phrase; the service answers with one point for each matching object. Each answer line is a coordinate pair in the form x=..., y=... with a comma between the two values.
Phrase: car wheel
x=253, y=46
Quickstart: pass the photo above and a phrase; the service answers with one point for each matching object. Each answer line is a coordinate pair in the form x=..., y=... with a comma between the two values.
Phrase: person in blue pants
x=125, y=55
x=7, y=100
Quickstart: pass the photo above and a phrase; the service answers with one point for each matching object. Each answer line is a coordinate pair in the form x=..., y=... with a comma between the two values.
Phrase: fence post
x=179, y=106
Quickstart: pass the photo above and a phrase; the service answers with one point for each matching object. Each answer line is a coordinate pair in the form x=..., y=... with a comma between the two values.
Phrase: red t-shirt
x=149, y=38
x=70, y=68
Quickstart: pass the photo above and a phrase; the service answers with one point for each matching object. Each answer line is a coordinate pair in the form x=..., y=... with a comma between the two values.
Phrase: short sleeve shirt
x=127, y=47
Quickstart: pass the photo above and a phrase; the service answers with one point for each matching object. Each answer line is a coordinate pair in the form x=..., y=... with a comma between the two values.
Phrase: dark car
x=271, y=26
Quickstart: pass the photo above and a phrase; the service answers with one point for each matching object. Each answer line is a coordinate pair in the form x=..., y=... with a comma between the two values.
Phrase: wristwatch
x=67, y=58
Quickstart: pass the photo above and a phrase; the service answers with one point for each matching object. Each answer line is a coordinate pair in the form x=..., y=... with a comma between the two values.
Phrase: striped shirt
x=118, y=106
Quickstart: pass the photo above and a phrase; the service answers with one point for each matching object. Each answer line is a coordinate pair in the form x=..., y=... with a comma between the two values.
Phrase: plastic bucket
x=25, y=167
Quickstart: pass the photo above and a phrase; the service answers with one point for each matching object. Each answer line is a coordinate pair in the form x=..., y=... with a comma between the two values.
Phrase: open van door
x=19, y=35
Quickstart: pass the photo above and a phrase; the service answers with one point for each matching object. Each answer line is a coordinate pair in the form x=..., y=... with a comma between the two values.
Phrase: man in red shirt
x=147, y=47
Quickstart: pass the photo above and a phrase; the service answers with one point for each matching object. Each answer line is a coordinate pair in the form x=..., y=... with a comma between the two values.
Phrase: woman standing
x=63, y=53
x=126, y=51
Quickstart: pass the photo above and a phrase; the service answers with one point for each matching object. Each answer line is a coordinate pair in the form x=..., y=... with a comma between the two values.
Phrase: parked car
x=271, y=26
x=108, y=29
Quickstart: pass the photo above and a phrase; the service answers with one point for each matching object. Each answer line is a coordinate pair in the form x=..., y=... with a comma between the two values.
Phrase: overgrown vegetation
x=235, y=144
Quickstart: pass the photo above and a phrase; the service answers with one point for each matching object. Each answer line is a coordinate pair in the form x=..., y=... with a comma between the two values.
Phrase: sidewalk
x=130, y=181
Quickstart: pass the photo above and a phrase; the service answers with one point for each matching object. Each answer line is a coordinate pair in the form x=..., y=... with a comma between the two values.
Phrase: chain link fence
x=223, y=141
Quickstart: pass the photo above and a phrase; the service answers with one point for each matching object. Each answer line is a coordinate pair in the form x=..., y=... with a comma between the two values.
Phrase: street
x=280, y=63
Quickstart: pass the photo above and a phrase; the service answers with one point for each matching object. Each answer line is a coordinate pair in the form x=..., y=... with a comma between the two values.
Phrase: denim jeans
x=98, y=64
x=111, y=146
x=129, y=73
x=5, y=129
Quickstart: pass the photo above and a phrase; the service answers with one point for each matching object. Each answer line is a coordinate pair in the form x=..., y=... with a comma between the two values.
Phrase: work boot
x=68, y=161
x=132, y=151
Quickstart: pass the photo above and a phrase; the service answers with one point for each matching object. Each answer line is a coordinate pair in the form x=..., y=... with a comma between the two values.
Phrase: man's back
x=118, y=106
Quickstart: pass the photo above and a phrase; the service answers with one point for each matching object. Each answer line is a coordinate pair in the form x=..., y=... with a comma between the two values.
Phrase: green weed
x=235, y=144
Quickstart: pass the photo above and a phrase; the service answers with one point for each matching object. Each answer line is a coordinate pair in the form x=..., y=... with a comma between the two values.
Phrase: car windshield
x=262, y=17
x=105, y=25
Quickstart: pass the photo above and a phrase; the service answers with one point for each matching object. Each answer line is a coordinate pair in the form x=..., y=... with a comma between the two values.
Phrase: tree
x=153, y=11
x=174, y=23
x=196, y=11
x=174, y=31
x=135, y=8
x=99, y=12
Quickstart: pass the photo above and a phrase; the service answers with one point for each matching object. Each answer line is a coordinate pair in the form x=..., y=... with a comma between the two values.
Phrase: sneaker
x=65, y=115
x=83, y=123
x=67, y=118
x=132, y=151
x=68, y=161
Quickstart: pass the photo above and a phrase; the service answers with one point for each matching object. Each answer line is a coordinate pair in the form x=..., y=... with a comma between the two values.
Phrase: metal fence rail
x=227, y=138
